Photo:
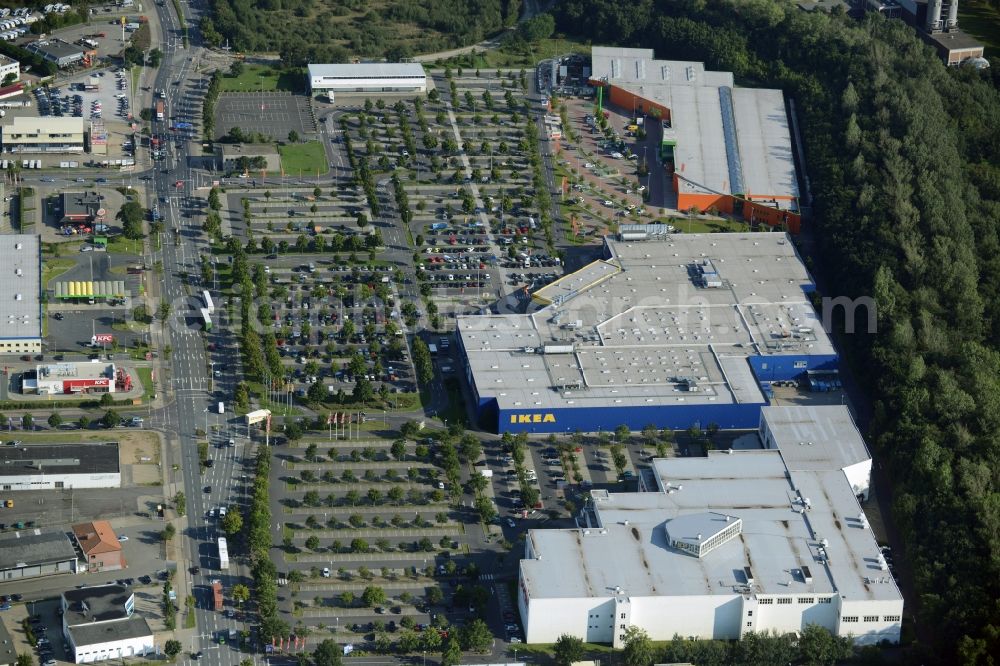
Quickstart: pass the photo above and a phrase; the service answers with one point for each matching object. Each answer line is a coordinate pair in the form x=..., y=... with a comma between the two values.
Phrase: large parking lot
x=270, y=114
x=363, y=515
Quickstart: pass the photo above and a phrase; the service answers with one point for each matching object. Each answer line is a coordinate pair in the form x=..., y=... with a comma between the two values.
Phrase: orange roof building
x=100, y=546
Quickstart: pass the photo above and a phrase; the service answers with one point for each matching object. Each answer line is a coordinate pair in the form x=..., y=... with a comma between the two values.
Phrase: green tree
x=169, y=532
x=241, y=594
x=568, y=649
x=451, y=655
x=398, y=449
x=131, y=215
x=232, y=524
x=172, y=648
x=327, y=653
x=55, y=420
x=817, y=646
x=476, y=636
x=639, y=649
x=28, y=422
x=373, y=596
x=110, y=419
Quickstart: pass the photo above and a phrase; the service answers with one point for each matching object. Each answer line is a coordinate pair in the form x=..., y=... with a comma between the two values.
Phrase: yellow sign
x=123, y=20
x=532, y=418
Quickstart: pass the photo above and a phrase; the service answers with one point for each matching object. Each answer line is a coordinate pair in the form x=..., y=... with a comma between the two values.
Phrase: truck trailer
x=160, y=115
x=217, y=595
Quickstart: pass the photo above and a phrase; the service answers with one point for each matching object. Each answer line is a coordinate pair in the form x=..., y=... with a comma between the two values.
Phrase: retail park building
x=368, y=77
x=20, y=295
x=717, y=547
x=729, y=147
x=668, y=329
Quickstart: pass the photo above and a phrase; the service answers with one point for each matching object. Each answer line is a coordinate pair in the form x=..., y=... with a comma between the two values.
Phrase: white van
x=222, y=408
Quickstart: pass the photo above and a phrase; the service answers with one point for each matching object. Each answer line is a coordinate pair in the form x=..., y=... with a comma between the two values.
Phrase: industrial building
x=9, y=67
x=32, y=553
x=24, y=134
x=20, y=295
x=70, y=378
x=100, y=623
x=59, y=466
x=62, y=53
x=936, y=21
x=668, y=329
x=728, y=149
x=368, y=77
x=715, y=547
x=100, y=546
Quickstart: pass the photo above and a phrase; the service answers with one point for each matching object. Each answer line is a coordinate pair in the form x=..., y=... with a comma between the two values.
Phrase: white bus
x=223, y=554
x=209, y=305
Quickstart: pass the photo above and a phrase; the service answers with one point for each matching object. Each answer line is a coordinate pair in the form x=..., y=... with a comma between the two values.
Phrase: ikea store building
x=672, y=330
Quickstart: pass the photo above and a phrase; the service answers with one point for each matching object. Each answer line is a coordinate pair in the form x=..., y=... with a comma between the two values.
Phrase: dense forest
x=336, y=30
x=904, y=160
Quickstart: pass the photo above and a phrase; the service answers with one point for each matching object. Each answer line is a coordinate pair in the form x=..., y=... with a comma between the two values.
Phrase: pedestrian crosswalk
x=487, y=577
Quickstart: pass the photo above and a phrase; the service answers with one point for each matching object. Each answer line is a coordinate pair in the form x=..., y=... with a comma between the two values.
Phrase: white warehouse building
x=717, y=547
x=368, y=77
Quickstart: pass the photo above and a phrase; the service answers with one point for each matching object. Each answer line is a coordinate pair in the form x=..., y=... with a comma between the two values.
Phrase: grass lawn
x=253, y=76
x=54, y=267
x=122, y=245
x=303, y=158
x=547, y=48
x=980, y=20
x=693, y=226
x=148, y=387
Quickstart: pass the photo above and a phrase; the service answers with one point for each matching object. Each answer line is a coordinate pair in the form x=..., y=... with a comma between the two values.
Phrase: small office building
x=63, y=54
x=368, y=77
x=100, y=624
x=100, y=546
x=43, y=135
x=8, y=67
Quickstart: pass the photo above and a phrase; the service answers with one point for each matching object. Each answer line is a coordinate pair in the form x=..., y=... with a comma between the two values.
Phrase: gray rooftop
x=368, y=70
x=817, y=437
x=628, y=547
x=81, y=203
x=8, y=655
x=34, y=547
x=765, y=144
x=55, y=48
x=106, y=632
x=700, y=156
x=20, y=304
x=629, y=329
x=99, y=603
x=636, y=68
x=70, y=458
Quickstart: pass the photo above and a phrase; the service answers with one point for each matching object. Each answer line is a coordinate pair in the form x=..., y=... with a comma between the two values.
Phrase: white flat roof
x=367, y=70
x=765, y=143
x=639, y=66
x=627, y=548
x=20, y=306
x=815, y=437
x=700, y=154
x=632, y=325
x=28, y=124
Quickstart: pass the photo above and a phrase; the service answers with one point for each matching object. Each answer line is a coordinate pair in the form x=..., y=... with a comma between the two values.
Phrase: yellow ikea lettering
x=532, y=418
